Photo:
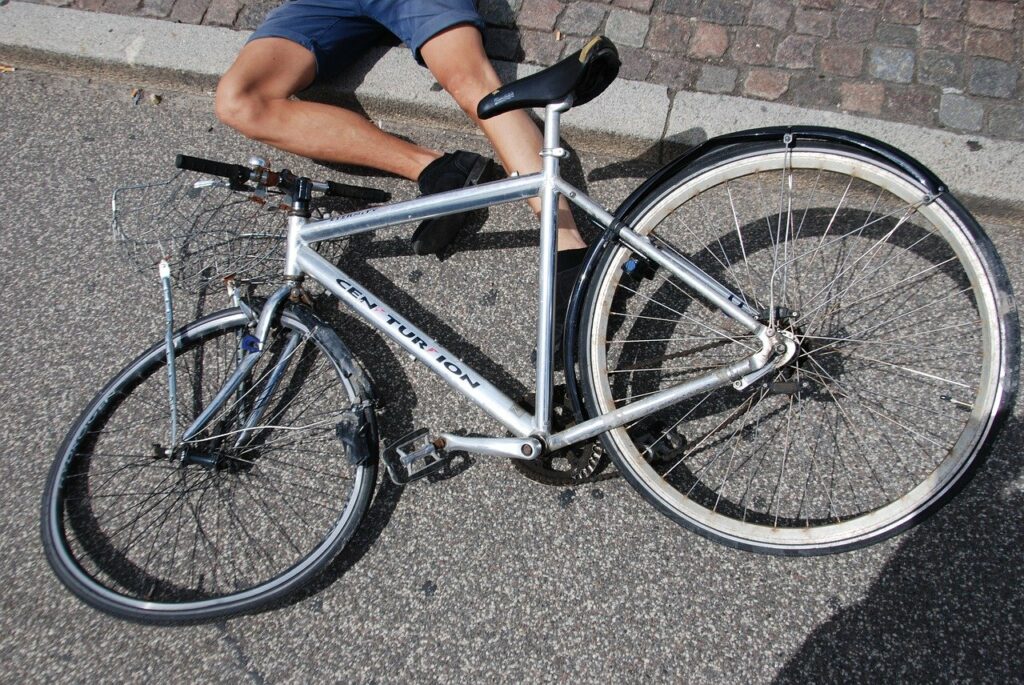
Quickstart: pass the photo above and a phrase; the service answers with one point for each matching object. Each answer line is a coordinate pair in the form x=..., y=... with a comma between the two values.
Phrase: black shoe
x=451, y=171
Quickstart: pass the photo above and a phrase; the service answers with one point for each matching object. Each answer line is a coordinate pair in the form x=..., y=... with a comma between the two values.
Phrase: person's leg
x=457, y=59
x=254, y=97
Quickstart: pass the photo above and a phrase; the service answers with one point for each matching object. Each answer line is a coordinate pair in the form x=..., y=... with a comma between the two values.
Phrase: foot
x=451, y=171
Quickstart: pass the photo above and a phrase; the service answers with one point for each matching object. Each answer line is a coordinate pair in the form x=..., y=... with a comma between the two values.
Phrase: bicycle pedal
x=412, y=457
x=661, y=445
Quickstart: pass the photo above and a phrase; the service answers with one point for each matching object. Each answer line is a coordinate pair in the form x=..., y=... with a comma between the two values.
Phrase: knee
x=238, y=108
x=468, y=88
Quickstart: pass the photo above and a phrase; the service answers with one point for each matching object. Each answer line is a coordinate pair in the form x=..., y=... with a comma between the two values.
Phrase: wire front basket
x=206, y=231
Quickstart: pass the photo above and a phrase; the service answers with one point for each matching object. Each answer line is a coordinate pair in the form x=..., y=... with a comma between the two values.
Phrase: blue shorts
x=338, y=32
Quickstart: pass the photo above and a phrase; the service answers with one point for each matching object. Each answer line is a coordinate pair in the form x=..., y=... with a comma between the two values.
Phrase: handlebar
x=355, y=192
x=239, y=176
x=236, y=173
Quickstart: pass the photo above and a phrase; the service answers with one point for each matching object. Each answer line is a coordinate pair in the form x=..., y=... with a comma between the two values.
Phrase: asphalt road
x=485, y=575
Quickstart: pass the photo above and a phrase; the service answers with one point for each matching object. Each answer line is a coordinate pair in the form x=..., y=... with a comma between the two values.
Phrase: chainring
x=580, y=463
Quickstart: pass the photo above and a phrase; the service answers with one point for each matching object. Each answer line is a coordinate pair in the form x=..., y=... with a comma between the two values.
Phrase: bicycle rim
x=903, y=356
x=228, y=522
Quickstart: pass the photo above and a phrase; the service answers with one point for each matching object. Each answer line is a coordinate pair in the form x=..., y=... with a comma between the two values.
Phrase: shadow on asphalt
x=929, y=617
x=385, y=500
x=647, y=161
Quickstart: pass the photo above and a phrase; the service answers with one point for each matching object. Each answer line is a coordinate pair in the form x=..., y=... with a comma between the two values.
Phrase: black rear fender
x=793, y=136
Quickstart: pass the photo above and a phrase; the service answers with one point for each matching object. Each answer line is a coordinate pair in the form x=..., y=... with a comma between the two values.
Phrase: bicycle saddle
x=582, y=75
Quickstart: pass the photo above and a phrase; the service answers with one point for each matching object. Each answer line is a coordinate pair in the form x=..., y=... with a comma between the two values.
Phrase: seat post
x=552, y=154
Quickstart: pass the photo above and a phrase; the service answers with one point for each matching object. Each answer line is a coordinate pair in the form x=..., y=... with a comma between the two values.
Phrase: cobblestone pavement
x=953, y=64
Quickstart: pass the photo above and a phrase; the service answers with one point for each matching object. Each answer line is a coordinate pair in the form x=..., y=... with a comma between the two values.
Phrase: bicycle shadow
x=362, y=248
x=389, y=381
x=948, y=605
x=640, y=165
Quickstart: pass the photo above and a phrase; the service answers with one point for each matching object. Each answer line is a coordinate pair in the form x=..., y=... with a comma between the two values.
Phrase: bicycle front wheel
x=907, y=336
x=150, y=528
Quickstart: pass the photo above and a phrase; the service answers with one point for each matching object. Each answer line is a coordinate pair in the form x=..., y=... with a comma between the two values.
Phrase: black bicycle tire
x=1005, y=322
x=272, y=592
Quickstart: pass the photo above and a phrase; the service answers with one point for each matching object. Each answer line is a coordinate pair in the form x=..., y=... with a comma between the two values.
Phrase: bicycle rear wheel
x=159, y=532
x=908, y=349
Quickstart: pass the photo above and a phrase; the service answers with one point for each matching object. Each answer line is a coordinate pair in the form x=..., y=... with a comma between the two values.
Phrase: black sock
x=568, y=268
x=430, y=174
x=570, y=259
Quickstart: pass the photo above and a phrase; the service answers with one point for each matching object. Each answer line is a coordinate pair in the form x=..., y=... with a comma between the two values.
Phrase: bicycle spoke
x=691, y=319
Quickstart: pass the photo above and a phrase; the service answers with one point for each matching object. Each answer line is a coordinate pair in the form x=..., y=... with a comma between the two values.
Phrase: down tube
x=446, y=365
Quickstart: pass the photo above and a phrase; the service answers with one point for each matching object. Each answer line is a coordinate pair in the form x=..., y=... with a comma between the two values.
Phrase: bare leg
x=254, y=97
x=457, y=59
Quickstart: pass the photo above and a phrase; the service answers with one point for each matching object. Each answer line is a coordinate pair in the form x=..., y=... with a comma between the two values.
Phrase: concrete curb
x=633, y=119
x=986, y=174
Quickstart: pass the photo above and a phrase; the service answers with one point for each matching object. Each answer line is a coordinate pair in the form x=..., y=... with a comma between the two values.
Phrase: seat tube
x=552, y=154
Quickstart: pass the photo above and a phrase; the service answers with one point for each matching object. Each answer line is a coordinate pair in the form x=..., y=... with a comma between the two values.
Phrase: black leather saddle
x=583, y=75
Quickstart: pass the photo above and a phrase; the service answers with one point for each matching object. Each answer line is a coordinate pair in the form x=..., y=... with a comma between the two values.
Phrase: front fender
x=625, y=214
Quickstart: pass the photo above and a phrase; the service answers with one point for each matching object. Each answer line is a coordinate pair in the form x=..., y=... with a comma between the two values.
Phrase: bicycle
x=789, y=340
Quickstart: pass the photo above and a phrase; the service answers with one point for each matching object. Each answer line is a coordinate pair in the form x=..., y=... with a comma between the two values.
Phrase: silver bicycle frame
x=548, y=185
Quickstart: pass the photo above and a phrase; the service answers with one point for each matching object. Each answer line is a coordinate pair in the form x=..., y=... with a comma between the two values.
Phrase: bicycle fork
x=252, y=349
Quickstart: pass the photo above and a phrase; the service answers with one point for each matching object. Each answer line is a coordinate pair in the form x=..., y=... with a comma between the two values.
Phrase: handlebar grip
x=357, y=192
x=237, y=173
